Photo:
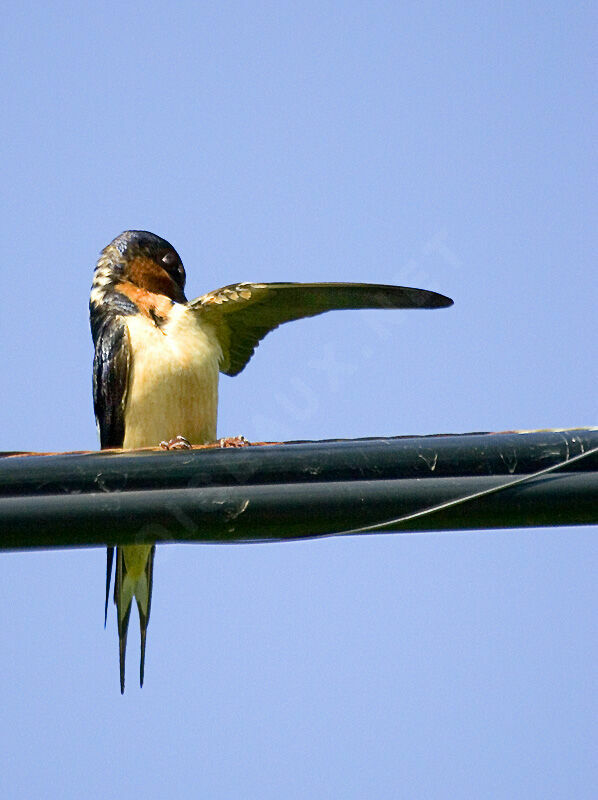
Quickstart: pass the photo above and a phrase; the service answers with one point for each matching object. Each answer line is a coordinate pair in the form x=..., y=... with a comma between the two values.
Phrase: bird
x=157, y=359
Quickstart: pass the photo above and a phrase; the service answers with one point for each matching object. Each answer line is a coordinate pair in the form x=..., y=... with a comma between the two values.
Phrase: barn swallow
x=157, y=358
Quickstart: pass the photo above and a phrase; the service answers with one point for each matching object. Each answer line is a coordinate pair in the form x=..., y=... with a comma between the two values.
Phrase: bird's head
x=145, y=260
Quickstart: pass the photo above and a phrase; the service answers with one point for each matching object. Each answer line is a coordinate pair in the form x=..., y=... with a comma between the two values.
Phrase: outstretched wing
x=243, y=313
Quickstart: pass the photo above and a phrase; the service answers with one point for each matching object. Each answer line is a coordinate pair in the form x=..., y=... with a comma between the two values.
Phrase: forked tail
x=134, y=574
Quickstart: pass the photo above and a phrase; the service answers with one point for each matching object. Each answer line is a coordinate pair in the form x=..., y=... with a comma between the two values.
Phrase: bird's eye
x=170, y=260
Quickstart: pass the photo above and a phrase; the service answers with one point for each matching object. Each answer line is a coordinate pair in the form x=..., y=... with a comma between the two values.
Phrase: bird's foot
x=233, y=441
x=178, y=443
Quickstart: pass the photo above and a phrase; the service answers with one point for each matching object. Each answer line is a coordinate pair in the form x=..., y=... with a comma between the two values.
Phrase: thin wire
x=467, y=498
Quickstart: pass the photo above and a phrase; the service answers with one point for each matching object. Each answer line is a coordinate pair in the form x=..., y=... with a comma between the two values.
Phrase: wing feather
x=111, y=368
x=243, y=313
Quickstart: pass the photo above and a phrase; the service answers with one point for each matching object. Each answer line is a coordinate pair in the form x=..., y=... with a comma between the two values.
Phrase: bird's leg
x=178, y=443
x=233, y=441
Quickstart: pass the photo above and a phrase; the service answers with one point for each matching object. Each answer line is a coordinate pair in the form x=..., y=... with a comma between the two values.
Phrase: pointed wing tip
x=441, y=301
x=426, y=299
x=109, y=560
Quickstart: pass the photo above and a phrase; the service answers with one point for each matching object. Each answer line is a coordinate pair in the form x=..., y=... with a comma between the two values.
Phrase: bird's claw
x=233, y=441
x=178, y=443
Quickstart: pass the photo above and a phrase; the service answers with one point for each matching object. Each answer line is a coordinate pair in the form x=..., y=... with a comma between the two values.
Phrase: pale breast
x=173, y=383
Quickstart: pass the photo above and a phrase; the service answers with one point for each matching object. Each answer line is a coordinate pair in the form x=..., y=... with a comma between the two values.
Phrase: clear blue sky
x=446, y=147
